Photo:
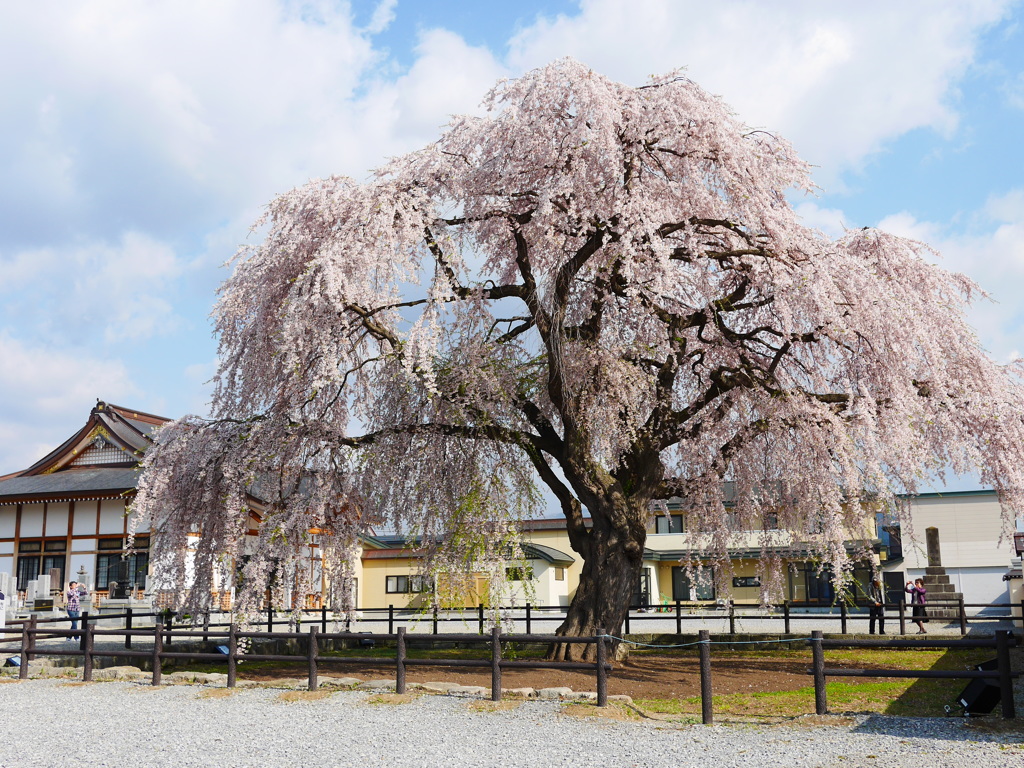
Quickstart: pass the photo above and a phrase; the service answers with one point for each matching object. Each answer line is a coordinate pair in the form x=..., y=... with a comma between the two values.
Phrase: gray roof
x=70, y=481
x=550, y=554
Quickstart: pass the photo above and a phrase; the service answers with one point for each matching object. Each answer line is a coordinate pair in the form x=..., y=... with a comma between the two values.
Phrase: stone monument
x=940, y=589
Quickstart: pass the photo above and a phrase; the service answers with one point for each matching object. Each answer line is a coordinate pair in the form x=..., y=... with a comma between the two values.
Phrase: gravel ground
x=49, y=723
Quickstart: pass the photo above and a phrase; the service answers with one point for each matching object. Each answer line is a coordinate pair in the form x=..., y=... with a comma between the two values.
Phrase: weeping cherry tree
x=596, y=289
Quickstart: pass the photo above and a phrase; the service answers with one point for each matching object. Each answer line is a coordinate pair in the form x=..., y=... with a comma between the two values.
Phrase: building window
x=559, y=574
x=669, y=524
x=399, y=585
x=41, y=556
x=684, y=589
x=113, y=563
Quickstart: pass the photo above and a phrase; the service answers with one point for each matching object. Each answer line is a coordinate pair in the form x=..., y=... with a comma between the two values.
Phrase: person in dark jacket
x=918, y=599
x=876, y=609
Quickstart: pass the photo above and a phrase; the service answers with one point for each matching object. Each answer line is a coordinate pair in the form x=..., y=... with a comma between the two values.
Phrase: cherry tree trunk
x=609, y=578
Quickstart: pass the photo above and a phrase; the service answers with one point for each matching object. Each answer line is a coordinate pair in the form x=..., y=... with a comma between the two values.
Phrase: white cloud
x=837, y=79
x=47, y=395
x=382, y=17
x=831, y=221
x=991, y=253
x=114, y=291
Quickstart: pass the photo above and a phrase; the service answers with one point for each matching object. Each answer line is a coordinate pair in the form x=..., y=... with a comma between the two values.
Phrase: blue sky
x=138, y=141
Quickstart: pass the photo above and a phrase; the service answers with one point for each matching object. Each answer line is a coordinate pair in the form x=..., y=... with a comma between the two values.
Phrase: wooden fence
x=30, y=633
x=163, y=636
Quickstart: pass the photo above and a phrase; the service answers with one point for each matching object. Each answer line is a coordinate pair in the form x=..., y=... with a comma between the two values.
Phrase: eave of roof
x=62, y=484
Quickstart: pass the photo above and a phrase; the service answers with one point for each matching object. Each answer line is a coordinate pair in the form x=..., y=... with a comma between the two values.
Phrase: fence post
x=323, y=619
x=1005, y=678
x=87, y=639
x=270, y=619
x=602, y=675
x=496, y=663
x=158, y=646
x=480, y=619
x=170, y=628
x=625, y=626
x=842, y=616
x=963, y=616
x=818, y=655
x=1021, y=613
x=26, y=633
x=232, y=656
x=81, y=637
x=528, y=624
x=706, y=704
x=311, y=657
x=206, y=626
x=785, y=614
x=679, y=618
x=903, y=617
x=435, y=620
x=33, y=623
x=391, y=619
x=732, y=618
x=128, y=627
x=400, y=662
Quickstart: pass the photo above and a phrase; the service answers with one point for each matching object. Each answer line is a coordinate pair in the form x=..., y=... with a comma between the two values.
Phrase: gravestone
x=3, y=608
x=42, y=587
x=30, y=591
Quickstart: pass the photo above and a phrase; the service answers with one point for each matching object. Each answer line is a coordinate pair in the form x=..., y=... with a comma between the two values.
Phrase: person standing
x=876, y=610
x=73, y=607
x=918, y=599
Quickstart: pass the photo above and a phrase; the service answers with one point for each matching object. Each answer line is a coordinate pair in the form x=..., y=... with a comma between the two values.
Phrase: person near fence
x=876, y=609
x=918, y=599
x=73, y=606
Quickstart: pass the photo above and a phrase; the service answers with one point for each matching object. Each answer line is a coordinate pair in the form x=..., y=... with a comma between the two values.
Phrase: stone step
x=935, y=570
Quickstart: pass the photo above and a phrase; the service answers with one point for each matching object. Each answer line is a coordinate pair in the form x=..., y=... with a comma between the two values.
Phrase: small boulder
x=376, y=685
x=525, y=693
x=554, y=693
x=339, y=682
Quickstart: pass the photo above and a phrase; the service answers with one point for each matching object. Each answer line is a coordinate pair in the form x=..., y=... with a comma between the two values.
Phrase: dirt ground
x=642, y=677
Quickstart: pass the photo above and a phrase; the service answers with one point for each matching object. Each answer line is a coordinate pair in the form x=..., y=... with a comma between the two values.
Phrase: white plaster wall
x=978, y=585
x=31, y=520
x=653, y=569
x=57, y=519
x=7, y=564
x=85, y=517
x=6, y=547
x=969, y=530
x=112, y=516
x=83, y=545
x=142, y=523
x=8, y=517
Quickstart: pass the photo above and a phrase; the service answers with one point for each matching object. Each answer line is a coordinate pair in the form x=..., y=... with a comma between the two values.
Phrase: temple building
x=65, y=517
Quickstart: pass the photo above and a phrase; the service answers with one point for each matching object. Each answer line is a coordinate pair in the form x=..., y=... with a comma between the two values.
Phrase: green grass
x=906, y=697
